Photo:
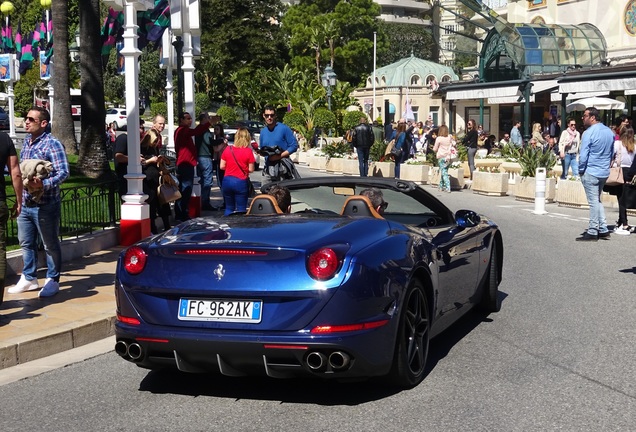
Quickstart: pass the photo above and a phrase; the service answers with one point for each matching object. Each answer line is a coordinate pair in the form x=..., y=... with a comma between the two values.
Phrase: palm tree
x=63, y=127
x=316, y=41
x=331, y=33
x=93, y=161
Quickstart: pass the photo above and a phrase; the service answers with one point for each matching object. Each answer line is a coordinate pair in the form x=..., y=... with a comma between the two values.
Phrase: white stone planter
x=416, y=173
x=303, y=157
x=350, y=167
x=492, y=184
x=525, y=189
x=570, y=193
x=456, y=176
x=382, y=169
x=335, y=165
x=318, y=163
x=487, y=163
x=434, y=176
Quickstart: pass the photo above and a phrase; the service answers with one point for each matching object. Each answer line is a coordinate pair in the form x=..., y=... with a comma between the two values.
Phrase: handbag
x=616, y=172
x=389, y=147
x=167, y=191
x=251, y=192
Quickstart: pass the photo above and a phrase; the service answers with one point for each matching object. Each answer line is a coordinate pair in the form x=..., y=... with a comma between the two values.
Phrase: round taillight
x=135, y=260
x=323, y=264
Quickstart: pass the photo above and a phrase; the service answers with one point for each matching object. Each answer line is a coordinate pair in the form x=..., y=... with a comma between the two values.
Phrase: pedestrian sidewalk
x=82, y=312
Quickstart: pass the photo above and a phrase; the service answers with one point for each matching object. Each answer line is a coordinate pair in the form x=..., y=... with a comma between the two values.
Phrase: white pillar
x=135, y=213
x=10, y=96
x=170, y=103
x=131, y=55
x=188, y=75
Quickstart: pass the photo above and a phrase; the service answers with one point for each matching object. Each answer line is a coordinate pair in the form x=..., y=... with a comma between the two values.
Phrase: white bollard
x=539, y=192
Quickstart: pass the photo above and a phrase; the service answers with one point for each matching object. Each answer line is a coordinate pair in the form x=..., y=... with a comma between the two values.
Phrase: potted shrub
x=530, y=159
x=335, y=151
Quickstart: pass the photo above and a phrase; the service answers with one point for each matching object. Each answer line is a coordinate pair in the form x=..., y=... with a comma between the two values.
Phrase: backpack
x=349, y=136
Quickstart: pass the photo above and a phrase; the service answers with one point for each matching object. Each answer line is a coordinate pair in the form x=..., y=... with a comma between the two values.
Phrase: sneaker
x=50, y=288
x=23, y=285
x=622, y=230
x=587, y=237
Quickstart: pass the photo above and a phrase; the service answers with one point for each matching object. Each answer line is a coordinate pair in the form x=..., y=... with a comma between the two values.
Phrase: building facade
x=566, y=50
x=406, y=89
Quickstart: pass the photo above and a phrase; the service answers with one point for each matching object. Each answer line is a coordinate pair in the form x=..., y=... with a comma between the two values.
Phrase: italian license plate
x=245, y=311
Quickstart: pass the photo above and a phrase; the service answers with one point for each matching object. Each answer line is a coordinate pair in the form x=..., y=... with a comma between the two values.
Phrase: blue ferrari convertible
x=350, y=280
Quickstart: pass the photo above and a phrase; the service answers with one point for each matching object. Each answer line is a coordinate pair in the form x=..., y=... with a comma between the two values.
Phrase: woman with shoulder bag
x=443, y=145
x=150, y=167
x=626, y=148
x=237, y=161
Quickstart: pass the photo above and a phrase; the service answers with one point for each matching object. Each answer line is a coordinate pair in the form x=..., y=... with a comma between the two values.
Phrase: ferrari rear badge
x=219, y=272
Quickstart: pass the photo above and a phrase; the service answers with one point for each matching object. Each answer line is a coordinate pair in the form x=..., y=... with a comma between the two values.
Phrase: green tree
x=227, y=114
x=347, y=27
x=404, y=40
x=239, y=34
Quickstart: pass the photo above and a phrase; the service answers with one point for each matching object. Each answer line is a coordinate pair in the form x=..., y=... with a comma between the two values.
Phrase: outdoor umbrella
x=596, y=102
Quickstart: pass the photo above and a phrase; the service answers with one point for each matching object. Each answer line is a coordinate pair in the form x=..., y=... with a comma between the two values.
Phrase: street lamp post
x=329, y=81
x=74, y=48
x=178, y=47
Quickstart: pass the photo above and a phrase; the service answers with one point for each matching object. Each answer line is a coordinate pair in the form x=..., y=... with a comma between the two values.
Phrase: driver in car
x=376, y=198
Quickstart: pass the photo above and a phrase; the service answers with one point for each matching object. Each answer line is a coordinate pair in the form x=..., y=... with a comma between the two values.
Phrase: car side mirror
x=467, y=218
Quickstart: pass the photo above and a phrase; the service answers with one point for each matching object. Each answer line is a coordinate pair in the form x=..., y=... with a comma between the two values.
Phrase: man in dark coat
x=362, y=141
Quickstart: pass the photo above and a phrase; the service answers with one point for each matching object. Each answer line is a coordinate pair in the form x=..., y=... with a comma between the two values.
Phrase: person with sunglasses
x=41, y=217
x=279, y=135
x=377, y=199
x=569, y=145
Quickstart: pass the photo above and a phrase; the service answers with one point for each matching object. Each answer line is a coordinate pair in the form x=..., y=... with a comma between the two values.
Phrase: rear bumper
x=282, y=355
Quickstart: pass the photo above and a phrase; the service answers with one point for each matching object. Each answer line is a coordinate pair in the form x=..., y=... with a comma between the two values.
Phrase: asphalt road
x=559, y=356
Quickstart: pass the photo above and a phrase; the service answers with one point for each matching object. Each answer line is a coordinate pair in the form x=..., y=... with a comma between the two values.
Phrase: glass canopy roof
x=520, y=50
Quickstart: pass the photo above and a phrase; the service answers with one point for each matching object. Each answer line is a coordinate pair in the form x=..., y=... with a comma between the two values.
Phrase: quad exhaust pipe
x=316, y=361
x=132, y=351
x=335, y=361
x=339, y=360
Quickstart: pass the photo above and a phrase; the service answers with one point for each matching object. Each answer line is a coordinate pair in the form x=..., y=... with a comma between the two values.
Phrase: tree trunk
x=93, y=161
x=63, y=127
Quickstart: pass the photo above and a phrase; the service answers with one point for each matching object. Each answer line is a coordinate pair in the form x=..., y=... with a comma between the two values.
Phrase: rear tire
x=412, y=344
x=490, y=297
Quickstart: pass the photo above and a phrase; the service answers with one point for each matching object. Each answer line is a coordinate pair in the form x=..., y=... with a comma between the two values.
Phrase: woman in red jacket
x=238, y=161
x=186, y=160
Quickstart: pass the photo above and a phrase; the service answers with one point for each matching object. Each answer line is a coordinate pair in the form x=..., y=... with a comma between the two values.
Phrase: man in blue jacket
x=279, y=135
x=595, y=157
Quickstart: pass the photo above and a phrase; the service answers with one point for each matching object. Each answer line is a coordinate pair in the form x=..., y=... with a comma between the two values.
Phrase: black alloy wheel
x=412, y=344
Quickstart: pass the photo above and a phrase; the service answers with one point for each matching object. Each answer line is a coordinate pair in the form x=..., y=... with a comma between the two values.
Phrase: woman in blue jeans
x=237, y=161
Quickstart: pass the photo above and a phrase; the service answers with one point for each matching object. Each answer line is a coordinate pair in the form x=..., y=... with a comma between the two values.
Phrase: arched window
x=415, y=80
x=383, y=80
x=446, y=78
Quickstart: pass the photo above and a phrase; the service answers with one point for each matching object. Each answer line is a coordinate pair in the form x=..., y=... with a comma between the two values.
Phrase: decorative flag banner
x=18, y=42
x=26, y=60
